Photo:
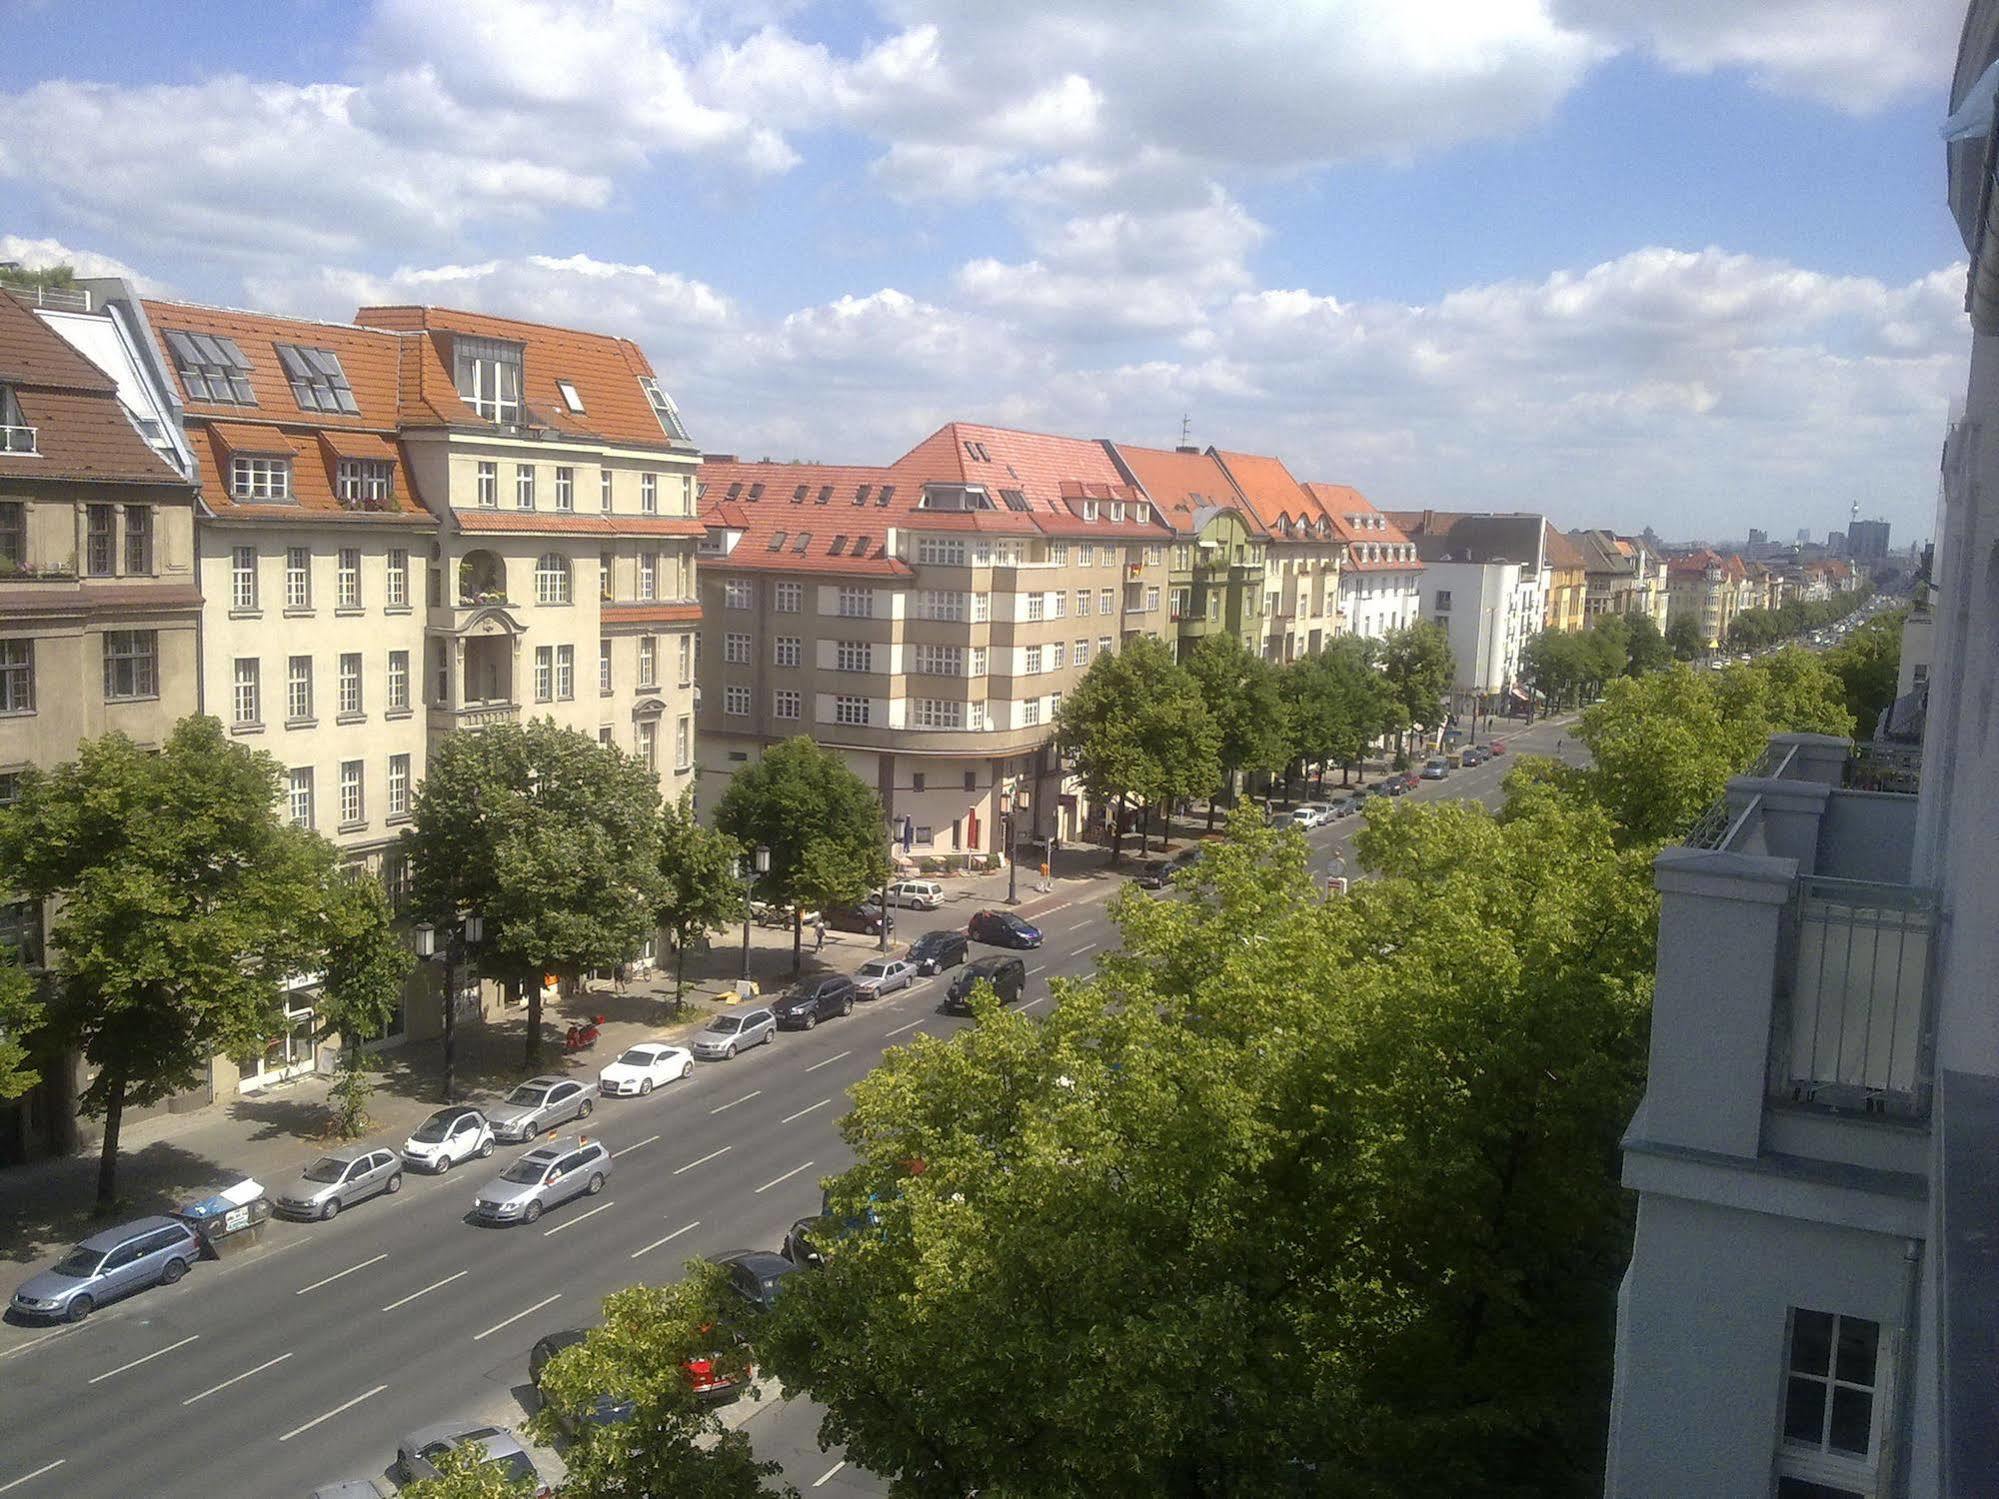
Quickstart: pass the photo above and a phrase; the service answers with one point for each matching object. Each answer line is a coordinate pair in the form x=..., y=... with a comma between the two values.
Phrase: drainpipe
x=1895, y=1450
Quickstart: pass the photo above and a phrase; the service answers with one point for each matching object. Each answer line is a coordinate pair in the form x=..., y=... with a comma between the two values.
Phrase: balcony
x=20, y=441
x=470, y=716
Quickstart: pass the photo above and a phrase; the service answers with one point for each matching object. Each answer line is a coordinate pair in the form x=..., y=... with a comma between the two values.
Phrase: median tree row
x=1754, y=629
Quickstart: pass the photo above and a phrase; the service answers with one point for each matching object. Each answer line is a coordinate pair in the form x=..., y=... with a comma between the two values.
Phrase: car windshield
x=638, y=1056
x=873, y=970
x=526, y=1169
x=528, y=1097
x=432, y=1129
x=328, y=1168
x=929, y=942
x=79, y=1264
x=725, y=1025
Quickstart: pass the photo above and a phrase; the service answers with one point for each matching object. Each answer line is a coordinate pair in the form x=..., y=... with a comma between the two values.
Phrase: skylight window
x=777, y=541
x=977, y=450
x=882, y=499
x=212, y=368
x=317, y=380
x=804, y=541
x=798, y=494
x=569, y=396
x=756, y=491
x=861, y=494
x=1014, y=499
x=839, y=545
x=861, y=545
x=825, y=494
x=664, y=409
x=735, y=491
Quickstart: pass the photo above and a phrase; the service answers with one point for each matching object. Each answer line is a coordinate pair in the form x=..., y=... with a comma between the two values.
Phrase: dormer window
x=317, y=380
x=260, y=480
x=1089, y=510
x=1117, y=510
x=16, y=436
x=664, y=409
x=364, y=483
x=488, y=375
x=213, y=369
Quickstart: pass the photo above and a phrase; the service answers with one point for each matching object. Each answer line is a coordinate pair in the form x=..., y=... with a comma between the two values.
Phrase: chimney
x=1184, y=448
x=719, y=458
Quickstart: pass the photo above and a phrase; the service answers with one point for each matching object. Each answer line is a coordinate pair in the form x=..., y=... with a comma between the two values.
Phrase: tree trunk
x=679, y=977
x=107, y=1160
x=797, y=941
x=1211, y=800
x=534, y=1018
x=1117, y=831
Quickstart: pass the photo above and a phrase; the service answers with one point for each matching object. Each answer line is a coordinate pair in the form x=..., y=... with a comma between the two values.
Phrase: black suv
x=1008, y=976
x=1002, y=929
x=805, y=1005
x=934, y=952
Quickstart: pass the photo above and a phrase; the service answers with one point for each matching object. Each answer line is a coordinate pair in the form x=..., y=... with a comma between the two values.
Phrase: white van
x=921, y=895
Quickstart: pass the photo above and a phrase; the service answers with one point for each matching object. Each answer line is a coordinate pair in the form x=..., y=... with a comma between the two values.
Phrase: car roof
x=992, y=963
x=567, y=1337
x=546, y=1080
x=497, y=1440
x=759, y=1262
x=111, y=1238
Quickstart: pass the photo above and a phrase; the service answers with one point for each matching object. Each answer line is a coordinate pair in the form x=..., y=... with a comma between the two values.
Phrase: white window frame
x=648, y=493
x=524, y=486
x=1030, y=661
x=544, y=673
x=785, y=702
x=299, y=796
x=1036, y=607
x=856, y=603
x=398, y=575
x=248, y=690
x=396, y=682
x=260, y=480
x=565, y=488
x=347, y=578
x=349, y=697
x=243, y=579
x=488, y=490
x=787, y=598
x=648, y=576
x=736, y=648
x=565, y=673
x=853, y=655
x=786, y=650
x=737, y=593
x=1820, y=1462
x=298, y=689
x=552, y=585
x=398, y=787
x=851, y=710
x=604, y=490
x=648, y=660
x=940, y=551
x=736, y=700
x=353, y=793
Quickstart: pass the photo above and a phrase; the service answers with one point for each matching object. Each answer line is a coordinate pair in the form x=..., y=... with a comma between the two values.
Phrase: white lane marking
x=829, y=1473
x=1036, y=969
x=1083, y=952
x=634, y=1146
x=829, y=1061
x=786, y=1177
x=704, y=1160
x=481, y=1336
x=44, y=1468
x=667, y=1240
x=574, y=1221
x=60, y=1332
x=804, y=1111
x=1033, y=1002
x=268, y=1363
x=97, y=1379
x=296, y=1430
x=910, y=1027
x=332, y=1278
x=434, y=1285
x=754, y=1092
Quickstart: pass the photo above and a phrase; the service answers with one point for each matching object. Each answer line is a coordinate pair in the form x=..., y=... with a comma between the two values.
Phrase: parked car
x=1314, y=814
x=866, y=917
x=1435, y=770
x=1002, y=929
x=1497, y=746
x=720, y=1374
x=1281, y=820
x=918, y=895
x=1008, y=976
x=1346, y=806
x=1153, y=874
x=607, y=1410
x=550, y=1174
x=643, y=1068
x=117, y=1262
x=805, y=1004
x=338, y=1180
x=757, y=1276
x=1411, y=780
x=1393, y=786
x=879, y=976
x=934, y=952
x=725, y=1035
x=802, y=1241
x=447, y=1137
x=538, y=1105
x=417, y=1453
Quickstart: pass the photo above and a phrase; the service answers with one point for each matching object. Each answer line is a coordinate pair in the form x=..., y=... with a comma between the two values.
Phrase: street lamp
x=747, y=869
x=1012, y=863
x=459, y=939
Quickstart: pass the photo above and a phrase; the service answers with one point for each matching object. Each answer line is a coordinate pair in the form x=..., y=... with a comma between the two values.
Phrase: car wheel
x=174, y=1270
x=78, y=1308
x=596, y=1183
x=645, y=1087
x=531, y=1212
x=485, y=1149
x=810, y=1021
x=686, y=1070
x=444, y=1163
x=330, y=1211
x=395, y=1184
x=588, y=1105
x=769, y=1036
x=730, y=1054
x=848, y=1007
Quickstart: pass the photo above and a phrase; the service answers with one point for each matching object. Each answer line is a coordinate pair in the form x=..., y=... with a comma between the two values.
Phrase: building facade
x=1568, y=582
x=1622, y=576
x=1698, y=587
x=1485, y=581
x=1380, y=573
x=1300, y=600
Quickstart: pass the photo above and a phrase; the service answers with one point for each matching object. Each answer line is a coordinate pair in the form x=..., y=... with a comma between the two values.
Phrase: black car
x=1008, y=976
x=805, y=1005
x=1155, y=874
x=605, y=1411
x=934, y=952
x=802, y=1241
x=757, y=1276
x=1002, y=929
x=868, y=918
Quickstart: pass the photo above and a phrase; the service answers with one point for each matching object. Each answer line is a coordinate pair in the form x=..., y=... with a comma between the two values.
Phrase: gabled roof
x=1559, y=550
x=1472, y=536
x=1274, y=496
x=1693, y=564
x=1039, y=483
x=1361, y=526
x=81, y=430
x=813, y=503
x=1187, y=486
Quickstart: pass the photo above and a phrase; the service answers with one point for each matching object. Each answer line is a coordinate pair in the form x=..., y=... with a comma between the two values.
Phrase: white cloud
x=39, y=254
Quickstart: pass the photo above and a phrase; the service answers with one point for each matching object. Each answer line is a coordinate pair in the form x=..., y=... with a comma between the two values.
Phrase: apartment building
x=1301, y=582
x=99, y=601
x=1622, y=576
x=1380, y=572
x=1568, y=582
x=1699, y=587
x=924, y=619
x=1485, y=581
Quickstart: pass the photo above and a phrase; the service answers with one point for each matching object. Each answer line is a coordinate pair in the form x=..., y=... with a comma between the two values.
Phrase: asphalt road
x=303, y=1362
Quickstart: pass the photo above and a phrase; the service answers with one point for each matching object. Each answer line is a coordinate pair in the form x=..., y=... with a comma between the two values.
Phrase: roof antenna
x=1186, y=428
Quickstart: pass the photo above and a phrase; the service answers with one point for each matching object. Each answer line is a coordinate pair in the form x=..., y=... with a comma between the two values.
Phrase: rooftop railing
x=18, y=439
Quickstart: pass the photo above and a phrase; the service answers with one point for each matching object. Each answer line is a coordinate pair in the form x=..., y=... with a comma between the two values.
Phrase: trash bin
x=231, y=1221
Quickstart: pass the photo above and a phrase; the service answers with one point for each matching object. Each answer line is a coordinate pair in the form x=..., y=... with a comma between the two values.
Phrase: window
x=565, y=488
x=687, y=644
x=399, y=578
x=648, y=661
x=565, y=673
x=776, y=541
x=13, y=533
x=17, y=676
x=1058, y=605
x=649, y=744
x=138, y=540
x=1082, y=601
x=1081, y=655
x=131, y=664
x=298, y=689
x=978, y=662
x=243, y=578
x=1831, y=1410
x=488, y=375
x=318, y=382
x=933, y=604
x=524, y=486
x=399, y=786
x=664, y=409
x=260, y=479
x=298, y=578
x=784, y=703
x=850, y=710
x=551, y=579
x=785, y=650
x=1105, y=645
x=736, y=701
x=649, y=494
x=853, y=655
x=940, y=551
x=398, y=682
x=301, y=796
x=100, y=540
x=982, y=606
x=352, y=806
x=570, y=397
x=857, y=603
x=1152, y=600
x=648, y=576
x=934, y=713
x=604, y=491
x=1056, y=653
x=736, y=648
x=940, y=660
x=489, y=484
x=683, y=742
x=544, y=673
x=738, y=593
x=1106, y=601
x=1443, y=604
x=1036, y=607
x=363, y=483
x=604, y=576
x=350, y=682
x=1030, y=711
x=1153, y=555
x=212, y=368
x=787, y=598
x=1031, y=661
x=347, y=579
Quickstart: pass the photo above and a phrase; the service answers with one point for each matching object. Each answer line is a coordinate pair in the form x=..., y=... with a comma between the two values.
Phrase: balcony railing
x=1855, y=1033
x=18, y=440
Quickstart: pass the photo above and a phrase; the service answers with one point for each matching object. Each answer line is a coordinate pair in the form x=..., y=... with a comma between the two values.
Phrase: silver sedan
x=339, y=1180
x=879, y=976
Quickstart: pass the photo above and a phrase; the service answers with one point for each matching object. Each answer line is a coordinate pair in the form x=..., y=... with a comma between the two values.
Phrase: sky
x=1678, y=263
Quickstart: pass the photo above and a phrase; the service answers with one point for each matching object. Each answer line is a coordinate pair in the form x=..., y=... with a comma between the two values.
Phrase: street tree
x=183, y=904
x=824, y=827
x=552, y=838
x=465, y=1473
x=1337, y=703
x=1644, y=645
x=1606, y=652
x=1791, y=690
x=1353, y=1149
x=699, y=890
x=1684, y=638
x=20, y=1015
x=1552, y=663
x=1417, y=662
x=1244, y=703
x=1868, y=664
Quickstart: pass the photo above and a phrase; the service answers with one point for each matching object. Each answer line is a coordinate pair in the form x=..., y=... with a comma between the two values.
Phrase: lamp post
x=458, y=941
x=747, y=869
x=1012, y=864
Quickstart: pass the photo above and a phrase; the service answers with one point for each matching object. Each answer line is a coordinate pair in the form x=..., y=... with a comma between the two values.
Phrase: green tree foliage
x=183, y=904
x=699, y=890
x=1684, y=638
x=553, y=838
x=1791, y=690
x=1417, y=663
x=671, y=1444
x=1753, y=629
x=20, y=1015
x=1295, y=1197
x=1645, y=647
x=824, y=827
x=367, y=961
x=1606, y=652
x=1868, y=664
x=1241, y=693
x=1337, y=704
x=1552, y=663
x=47, y=277
x=464, y=1473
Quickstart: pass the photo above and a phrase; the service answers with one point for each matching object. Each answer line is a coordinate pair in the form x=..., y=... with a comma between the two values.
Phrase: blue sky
x=1677, y=262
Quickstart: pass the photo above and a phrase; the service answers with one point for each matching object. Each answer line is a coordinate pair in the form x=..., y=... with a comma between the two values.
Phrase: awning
x=252, y=438
x=371, y=446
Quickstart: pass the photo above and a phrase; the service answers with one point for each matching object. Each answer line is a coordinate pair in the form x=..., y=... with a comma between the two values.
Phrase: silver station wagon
x=553, y=1172
x=117, y=1262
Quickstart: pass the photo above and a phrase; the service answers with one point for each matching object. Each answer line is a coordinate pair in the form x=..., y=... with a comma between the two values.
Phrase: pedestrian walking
x=1045, y=885
x=620, y=976
x=818, y=933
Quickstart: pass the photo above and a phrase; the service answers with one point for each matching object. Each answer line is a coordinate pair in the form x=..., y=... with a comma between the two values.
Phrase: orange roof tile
x=816, y=503
x=81, y=430
x=1274, y=495
x=1052, y=476
x=1358, y=523
x=1183, y=484
x=1561, y=552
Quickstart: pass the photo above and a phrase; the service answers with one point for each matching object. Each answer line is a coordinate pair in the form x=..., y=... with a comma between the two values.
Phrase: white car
x=643, y=1068
x=1313, y=814
x=447, y=1137
x=881, y=976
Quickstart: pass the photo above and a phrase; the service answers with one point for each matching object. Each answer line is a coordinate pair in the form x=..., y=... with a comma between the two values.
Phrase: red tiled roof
x=1346, y=506
x=1272, y=492
x=81, y=431
x=33, y=354
x=1052, y=475
x=1561, y=553
x=1181, y=484
x=788, y=502
x=549, y=523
